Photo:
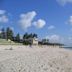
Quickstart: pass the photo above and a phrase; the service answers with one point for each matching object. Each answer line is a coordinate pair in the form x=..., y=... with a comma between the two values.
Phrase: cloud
x=59, y=39
x=40, y=23
x=69, y=21
x=70, y=38
x=55, y=38
x=64, y=2
x=51, y=27
x=2, y=12
x=12, y=28
x=26, y=19
x=3, y=17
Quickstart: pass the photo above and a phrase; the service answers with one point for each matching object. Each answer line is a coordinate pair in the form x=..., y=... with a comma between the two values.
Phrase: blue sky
x=48, y=18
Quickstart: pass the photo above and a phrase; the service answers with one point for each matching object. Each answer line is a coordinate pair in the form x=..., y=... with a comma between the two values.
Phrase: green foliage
x=3, y=34
x=27, y=36
x=26, y=43
x=35, y=35
x=18, y=37
x=9, y=34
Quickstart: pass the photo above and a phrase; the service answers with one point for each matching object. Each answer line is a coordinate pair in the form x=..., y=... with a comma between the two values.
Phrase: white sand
x=35, y=59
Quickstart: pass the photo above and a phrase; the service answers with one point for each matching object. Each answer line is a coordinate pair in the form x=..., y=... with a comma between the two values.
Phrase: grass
x=5, y=42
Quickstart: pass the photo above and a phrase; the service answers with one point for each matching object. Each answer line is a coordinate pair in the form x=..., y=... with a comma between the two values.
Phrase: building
x=45, y=41
x=32, y=41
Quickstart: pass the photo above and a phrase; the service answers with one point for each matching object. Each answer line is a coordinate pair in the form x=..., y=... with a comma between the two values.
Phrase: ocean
x=67, y=47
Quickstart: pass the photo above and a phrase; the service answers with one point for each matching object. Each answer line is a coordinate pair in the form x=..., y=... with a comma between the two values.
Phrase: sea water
x=67, y=47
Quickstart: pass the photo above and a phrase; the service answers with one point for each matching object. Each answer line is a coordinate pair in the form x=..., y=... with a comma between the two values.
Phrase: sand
x=35, y=59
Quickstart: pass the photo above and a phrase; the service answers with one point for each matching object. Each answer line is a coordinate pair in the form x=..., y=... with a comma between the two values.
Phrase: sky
x=50, y=19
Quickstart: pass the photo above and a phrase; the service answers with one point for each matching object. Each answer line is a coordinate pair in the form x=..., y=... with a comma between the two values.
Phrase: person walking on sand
x=30, y=45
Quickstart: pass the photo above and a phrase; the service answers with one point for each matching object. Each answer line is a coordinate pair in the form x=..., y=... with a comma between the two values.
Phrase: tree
x=0, y=35
x=35, y=35
x=9, y=33
x=45, y=41
x=18, y=37
x=3, y=33
x=25, y=36
x=30, y=35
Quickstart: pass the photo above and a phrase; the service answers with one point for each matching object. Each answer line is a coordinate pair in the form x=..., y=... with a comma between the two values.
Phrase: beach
x=35, y=59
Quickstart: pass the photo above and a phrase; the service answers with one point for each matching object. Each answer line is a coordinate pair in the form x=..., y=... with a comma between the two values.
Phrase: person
x=31, y=45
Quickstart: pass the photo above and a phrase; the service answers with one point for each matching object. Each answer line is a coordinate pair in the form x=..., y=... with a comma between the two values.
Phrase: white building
x=45, y=41
x=33, y=41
